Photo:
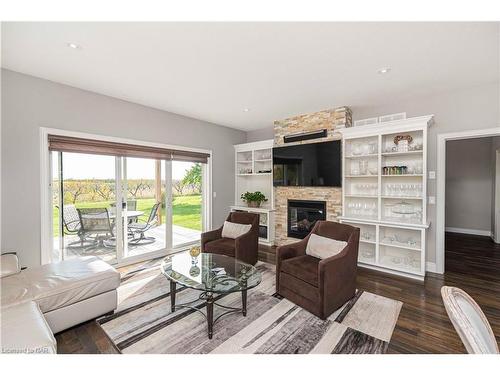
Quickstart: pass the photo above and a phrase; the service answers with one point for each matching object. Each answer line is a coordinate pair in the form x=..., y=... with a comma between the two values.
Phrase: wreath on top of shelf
x=406, y=137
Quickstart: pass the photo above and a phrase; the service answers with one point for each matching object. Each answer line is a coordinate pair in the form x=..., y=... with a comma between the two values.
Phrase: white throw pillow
x=323, y=247
x=233, y=230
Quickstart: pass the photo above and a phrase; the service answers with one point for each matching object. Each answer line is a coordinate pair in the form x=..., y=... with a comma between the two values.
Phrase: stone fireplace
x=331, y=197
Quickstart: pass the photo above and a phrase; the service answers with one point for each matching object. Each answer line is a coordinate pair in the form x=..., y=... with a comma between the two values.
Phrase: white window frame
x=46, y=239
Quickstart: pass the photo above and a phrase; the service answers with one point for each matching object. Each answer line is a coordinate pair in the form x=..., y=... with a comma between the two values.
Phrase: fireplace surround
x=332, y=120
x=302, y=215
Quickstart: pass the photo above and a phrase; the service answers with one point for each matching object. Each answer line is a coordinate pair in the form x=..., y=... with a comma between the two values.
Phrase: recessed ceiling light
x=74, y=46
x=246, y=109
x=383, y=70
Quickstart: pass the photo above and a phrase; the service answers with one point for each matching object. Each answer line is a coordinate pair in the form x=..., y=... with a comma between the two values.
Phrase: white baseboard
x=476, y=232
x=430, y=267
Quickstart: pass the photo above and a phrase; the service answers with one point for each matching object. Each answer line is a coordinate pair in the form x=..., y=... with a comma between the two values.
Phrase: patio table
x=130, y=214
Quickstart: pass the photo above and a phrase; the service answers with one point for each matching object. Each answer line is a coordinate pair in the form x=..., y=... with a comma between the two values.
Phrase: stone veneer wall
x=332, y=196
x=330, y=119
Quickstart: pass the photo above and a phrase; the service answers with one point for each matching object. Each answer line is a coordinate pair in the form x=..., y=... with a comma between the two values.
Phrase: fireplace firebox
x=302, y=215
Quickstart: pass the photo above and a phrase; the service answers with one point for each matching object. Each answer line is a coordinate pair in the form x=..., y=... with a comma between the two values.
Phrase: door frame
x=441, y=184
x=496, y=215
x=46, y=245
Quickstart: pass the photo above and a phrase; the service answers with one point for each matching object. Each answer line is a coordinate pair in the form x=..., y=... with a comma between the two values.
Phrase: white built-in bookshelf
x=384, y=193
x=253, y=172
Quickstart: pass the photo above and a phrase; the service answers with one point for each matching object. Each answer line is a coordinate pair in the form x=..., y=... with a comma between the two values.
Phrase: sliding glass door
x=119, y=208
x=84, y=198
x=144, y=205
x=187, y=213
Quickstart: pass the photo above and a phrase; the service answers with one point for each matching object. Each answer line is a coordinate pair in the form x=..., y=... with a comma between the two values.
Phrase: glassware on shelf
x=411, y=242
x=367, y=236
x=403, y=212
x=411, y=262
x=363, y=167
x=366, y=189
x=368, y=253
x=358, y=209
x=356, y=149
x=395, y=170
x=396, y=260
x=397, y=240
x=354, y=169
x=404, y=208
x=403, y=190
x=372, y=148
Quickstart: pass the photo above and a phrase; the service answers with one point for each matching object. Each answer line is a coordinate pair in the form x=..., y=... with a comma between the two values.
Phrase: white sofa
x=39, y=302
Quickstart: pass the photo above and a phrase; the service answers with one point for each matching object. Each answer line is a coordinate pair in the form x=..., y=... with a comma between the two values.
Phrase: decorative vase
x=194, y=252
x=253, y=204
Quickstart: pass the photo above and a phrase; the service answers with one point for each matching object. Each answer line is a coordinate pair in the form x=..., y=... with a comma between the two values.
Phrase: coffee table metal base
x=209, y=300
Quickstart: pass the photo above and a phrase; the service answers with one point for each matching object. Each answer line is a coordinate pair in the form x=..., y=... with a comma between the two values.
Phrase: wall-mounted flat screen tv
x=312, y=164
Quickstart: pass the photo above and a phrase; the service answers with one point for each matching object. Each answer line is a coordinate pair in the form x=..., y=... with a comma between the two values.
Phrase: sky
x=86, y=166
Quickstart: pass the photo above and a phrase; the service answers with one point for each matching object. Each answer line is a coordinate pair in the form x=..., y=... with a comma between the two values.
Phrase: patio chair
x=72, y=226
x=139, y=229
x=95, y=221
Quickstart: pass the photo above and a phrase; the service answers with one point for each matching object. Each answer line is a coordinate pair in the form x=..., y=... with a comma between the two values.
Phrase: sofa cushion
x=24, y=330
x=323, y=247
x=304, y=267
x=9, y=265
x=224, y=246
x=60, y=284
x=234, y=230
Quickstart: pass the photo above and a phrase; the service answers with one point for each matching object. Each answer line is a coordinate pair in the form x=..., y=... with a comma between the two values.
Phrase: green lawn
x=186, y=211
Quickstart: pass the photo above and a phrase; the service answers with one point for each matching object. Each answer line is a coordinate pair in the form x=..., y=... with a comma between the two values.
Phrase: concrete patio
x=180, y=234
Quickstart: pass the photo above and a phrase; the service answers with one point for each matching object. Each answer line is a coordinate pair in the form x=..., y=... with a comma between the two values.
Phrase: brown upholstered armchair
x=320, y=286
x=244, y=247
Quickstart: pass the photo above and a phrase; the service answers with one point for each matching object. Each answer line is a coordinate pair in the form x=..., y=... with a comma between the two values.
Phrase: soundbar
x=305, y=136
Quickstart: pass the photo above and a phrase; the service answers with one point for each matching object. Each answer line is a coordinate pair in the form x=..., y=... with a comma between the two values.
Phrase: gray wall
x=458, y=110
x=469, y=181
x=260, y=134
x=29, y=103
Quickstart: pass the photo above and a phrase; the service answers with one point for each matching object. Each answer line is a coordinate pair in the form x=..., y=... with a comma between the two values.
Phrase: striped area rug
x=143, y=322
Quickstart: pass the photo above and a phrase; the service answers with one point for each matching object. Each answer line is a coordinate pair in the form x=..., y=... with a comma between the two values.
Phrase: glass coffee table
x=214, y=276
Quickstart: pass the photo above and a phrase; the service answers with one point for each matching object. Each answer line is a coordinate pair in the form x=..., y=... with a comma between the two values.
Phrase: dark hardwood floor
x=472, y=263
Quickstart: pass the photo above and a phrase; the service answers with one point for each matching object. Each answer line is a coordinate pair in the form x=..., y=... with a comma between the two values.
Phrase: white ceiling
x=212, y=71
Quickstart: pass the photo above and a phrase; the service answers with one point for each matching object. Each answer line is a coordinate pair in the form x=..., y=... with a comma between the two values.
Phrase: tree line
x=99, y=190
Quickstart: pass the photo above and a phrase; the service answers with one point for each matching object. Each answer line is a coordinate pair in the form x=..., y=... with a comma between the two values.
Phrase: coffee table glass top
x=210, y=272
